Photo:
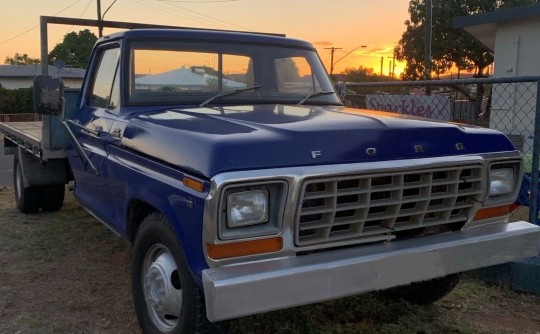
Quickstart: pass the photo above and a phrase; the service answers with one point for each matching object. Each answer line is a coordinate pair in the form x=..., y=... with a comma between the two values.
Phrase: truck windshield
x=169, y=73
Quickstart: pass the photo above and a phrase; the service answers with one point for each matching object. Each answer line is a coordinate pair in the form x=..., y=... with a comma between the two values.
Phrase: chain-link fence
x=509, y=105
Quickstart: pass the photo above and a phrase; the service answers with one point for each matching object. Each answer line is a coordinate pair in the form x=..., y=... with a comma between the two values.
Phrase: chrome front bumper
x=255, y=287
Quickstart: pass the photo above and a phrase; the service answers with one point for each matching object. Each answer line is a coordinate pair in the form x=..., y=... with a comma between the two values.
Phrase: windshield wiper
x=229, y=92
x=310, y=96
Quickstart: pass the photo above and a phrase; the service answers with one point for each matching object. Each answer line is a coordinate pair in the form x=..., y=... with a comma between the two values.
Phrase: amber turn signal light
x=496, y=211
x=243, y=248
x=193, y=184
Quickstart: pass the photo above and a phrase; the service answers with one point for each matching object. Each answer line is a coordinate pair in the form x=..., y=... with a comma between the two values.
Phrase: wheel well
x=137, y=211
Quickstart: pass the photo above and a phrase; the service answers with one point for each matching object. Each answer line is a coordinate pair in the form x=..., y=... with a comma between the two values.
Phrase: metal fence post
x=533, y=210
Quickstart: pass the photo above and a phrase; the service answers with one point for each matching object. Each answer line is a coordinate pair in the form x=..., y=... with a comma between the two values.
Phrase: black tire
x=426, y=292
x=52, y=197
x=161, y=275
x=28, y=199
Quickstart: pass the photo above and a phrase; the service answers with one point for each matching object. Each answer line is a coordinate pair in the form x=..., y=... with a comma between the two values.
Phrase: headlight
x=251, y=209
x=501, y=182
x=247, y=208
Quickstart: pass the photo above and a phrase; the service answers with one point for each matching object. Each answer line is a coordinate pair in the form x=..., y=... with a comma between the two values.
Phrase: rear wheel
x=167, y=300
x=28, y=199
x=52, y=197
x=426, y=292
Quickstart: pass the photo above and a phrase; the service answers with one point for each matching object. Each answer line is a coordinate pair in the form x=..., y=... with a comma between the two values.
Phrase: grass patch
x=46, y=242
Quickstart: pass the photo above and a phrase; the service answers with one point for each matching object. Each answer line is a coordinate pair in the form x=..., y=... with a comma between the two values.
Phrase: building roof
x=483, y=26
x=30, y=71
x=183, y=77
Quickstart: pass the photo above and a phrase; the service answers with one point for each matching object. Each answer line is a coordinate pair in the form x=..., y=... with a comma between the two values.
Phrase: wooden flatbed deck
x=31, y=130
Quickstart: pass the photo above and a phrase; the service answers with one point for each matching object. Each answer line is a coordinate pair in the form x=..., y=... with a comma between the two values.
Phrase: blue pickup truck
x=244, y=185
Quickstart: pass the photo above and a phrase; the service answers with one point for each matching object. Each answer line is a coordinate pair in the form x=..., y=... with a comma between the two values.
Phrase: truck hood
x=208, y=141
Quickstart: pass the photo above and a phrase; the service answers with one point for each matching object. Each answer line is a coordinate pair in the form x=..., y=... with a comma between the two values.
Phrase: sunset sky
x=345, y=24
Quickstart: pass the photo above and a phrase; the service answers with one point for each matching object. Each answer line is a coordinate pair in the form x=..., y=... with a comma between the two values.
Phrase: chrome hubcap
x=162, y=290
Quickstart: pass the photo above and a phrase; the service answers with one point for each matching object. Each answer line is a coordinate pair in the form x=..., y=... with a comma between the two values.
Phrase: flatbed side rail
x=20, y=117
x=25, y=137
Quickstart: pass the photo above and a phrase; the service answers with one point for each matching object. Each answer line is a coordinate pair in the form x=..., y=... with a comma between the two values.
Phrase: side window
x=293, y=75
x=105, y=90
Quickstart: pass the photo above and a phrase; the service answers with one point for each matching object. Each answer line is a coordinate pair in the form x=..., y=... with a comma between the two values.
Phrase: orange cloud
x=323, y=43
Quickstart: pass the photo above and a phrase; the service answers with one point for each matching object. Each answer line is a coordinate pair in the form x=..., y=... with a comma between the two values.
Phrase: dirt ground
x=64, y=272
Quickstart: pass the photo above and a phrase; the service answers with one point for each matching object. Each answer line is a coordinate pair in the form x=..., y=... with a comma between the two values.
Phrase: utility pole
x=382, y=63
x=427, y=50
x=392, y=65
x=332, y=50
x=101, y=16
x=100, y=25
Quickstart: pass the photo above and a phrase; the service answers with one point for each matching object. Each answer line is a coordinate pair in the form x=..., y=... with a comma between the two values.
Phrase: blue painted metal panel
x=208, y=141
x=161, y=187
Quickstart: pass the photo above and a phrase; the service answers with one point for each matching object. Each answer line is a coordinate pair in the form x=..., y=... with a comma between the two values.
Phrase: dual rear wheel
x=49, y=198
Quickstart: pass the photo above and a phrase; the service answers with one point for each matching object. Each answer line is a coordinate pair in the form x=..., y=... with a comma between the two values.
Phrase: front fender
x=134, y=177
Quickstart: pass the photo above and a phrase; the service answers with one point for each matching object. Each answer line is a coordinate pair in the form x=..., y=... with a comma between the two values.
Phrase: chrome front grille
x=372, y=207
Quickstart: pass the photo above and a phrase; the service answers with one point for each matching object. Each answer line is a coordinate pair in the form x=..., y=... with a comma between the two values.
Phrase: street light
x=348, y=53
x=332, y=62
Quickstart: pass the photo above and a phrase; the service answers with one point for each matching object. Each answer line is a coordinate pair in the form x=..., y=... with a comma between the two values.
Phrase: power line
x=166, y=10
x=192, y=1
x=84, y=11
x=191, y=14
x=37, y=25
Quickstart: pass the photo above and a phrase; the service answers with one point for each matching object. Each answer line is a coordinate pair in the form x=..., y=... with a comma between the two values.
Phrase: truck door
x=91, y=125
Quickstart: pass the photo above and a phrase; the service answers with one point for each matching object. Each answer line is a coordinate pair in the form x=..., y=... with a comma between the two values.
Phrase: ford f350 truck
x=245, y=186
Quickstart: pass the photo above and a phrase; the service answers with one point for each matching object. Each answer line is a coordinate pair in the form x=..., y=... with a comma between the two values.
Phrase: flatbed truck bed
x=34, y=137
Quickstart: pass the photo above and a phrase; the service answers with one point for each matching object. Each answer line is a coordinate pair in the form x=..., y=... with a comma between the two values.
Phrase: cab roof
x=209, y=35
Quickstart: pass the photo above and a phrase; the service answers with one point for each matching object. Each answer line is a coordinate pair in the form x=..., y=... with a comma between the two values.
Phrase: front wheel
x=167, y=300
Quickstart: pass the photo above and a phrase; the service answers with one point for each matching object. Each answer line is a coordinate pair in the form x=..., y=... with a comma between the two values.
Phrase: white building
x=182, y=79
x=513, y=35
x=22, y=76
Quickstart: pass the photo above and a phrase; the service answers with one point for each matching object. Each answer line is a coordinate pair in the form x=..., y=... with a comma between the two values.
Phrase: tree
x=359, y=74
x=449, y=46
x=21, y=59
x=75, y=49
x=14, y=101
x=288, y=70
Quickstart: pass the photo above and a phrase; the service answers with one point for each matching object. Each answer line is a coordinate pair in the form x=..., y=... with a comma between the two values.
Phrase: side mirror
x=48, y=95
